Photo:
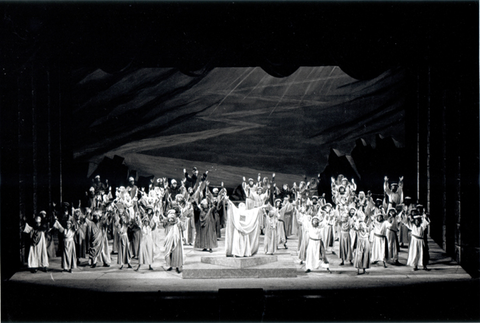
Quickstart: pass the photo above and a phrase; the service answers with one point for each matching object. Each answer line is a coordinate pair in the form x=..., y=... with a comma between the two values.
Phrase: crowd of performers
x=368, y=230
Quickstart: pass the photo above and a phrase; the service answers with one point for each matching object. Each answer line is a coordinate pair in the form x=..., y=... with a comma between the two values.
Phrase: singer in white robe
x=243, y=230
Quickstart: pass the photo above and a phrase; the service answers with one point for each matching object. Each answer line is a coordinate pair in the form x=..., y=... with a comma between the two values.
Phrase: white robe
x=243, y=231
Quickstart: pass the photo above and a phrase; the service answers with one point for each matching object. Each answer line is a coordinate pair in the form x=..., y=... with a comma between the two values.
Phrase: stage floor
x=102, y=294
x=112, y=279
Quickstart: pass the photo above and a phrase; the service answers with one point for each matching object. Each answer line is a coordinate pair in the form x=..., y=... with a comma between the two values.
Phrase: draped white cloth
x=242, y=231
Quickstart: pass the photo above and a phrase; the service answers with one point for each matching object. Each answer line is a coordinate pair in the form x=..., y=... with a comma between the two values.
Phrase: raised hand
x=184, y=170
x=222, y=184
x=244, y=178
x=401, y=178
x=273, y=175
x=386, y=179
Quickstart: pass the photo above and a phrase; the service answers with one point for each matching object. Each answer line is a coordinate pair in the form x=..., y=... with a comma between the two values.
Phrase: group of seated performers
x=364, y=230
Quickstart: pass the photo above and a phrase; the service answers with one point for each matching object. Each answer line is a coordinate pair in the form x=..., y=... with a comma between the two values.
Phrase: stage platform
x=246, y=294
x=284, y=274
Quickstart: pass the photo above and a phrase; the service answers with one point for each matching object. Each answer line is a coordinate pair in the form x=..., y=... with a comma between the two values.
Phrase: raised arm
x=385, y=186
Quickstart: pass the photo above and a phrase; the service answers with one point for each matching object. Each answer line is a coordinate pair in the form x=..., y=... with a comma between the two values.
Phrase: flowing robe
x=270, y=242
x=98, y=242
x=206, y=237
x=288, y=218
x=242, y=232
x=345, y=252
x=173, y=245
x=392, y=239
x=315, y=253
x=281, y=232
x=380, y=245
x=304, y=218
x=123, y=244
x=188, y=223
x=37, y=257
x=361, y=259
x=69, y=257
x=145, y=255
x=156, y=237
x=417, y=245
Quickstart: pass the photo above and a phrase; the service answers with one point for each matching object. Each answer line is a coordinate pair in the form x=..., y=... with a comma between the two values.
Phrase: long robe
x=38, y=256
x=270, y=242
x=156, y=237
x=173, y=245
x=315, y=253
x=69, y=257
x=242, y=232
x=392, y=240
x=206, y=237
x=345, y=245
x=145, y=255
x=123, y=245
x=281, y=230
x=302, y=253
x=288, y=218
x=380, y=246
x=361, y=259
x=98, y=242
x=416, y=249
x=80, y=240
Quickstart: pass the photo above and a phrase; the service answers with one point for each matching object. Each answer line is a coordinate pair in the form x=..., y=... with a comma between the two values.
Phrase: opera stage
x=110, y=294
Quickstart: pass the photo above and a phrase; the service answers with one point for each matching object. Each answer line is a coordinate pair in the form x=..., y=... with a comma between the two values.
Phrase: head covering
x=195, y=169
x=215, y=190
x=407, y=198
x=325, y=206
x=392, y=209
x=378, y=200
x=98, y=176
x=250, y=179
x=131, y=179
x=204, y=202
x=278, y=200
x=315, y=197
x=42, y=212
x=419, y=206
x=174, y=181
x=179, y=197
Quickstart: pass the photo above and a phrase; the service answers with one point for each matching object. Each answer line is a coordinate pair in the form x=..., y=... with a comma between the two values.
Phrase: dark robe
x=206, y=237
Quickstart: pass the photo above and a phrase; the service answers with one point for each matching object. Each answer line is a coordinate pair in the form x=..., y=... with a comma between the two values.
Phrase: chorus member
x=394, y=191
x=98, y=240
x=289, y=209
x=145, y=255
x=37, y=257
x=316, y=255
x=361, y=259
x=206, y=238
x=173, y=242
x=280, y=214
x=345, y=242
x=404, y=232
x=121, y=222
x=270, y=242
x=330, y=219
x=392, y=236
x=380, y=244
x=69, y=258
x=417, y=224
